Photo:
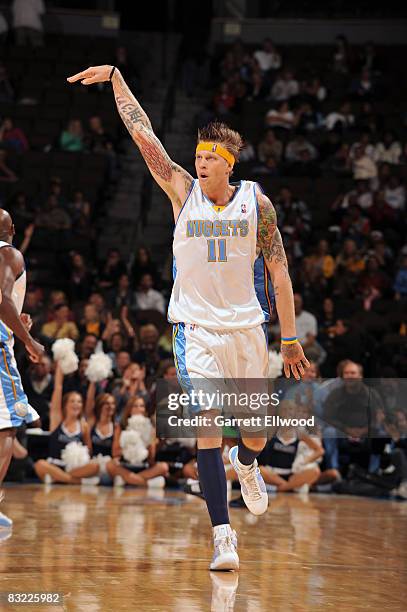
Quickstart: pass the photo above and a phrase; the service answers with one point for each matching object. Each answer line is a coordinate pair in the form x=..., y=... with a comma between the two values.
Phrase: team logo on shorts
x=21, y=409
x=243, y=208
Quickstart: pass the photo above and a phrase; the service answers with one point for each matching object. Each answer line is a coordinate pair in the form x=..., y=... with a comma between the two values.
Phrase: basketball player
x=14, y=406
x=225, y=239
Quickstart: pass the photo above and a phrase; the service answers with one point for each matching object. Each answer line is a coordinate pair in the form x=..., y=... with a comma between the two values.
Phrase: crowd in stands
x=350, y=276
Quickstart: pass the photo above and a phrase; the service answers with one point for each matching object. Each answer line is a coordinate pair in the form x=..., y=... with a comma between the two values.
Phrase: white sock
x=221, y=531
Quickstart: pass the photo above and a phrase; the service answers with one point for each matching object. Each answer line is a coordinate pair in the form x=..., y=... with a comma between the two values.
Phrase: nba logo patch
x=243, y=208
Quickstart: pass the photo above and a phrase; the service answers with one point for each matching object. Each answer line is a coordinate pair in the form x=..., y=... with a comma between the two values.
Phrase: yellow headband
x=214, y=147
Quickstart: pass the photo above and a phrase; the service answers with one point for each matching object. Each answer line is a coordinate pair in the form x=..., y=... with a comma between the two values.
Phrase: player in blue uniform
x=14, y=407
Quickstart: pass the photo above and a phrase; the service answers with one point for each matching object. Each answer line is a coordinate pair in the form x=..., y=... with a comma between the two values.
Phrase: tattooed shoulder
x=266, y=220
x=268, y=235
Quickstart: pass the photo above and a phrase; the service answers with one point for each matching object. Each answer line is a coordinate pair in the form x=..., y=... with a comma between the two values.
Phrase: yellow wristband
x=289, y=341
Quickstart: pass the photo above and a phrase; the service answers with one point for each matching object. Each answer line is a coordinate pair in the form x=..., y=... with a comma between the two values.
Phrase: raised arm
x=270, y=242
x=173, y=179
x=55, y=412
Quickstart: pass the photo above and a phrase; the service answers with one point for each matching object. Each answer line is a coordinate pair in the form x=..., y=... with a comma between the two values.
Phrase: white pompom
x=99, y=367
x=102, y=461
x=143, y=425
x=64, y=353
x=75, y=455
x=133, y=448
x=275, y=364
x=69, y=363
x=62, y=347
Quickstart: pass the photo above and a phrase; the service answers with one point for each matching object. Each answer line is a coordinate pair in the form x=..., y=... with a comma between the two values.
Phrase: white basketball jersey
x=215, y=263
x=19, y=288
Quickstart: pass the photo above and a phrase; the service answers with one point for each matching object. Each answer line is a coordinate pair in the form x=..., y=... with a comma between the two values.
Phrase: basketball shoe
x=225, y=556
x=252, y=484
x=5, y=521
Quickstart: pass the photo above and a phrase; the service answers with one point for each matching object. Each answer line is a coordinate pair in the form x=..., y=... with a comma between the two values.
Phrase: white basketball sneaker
x=225, y=556
x=5, y=521
x=254, y=491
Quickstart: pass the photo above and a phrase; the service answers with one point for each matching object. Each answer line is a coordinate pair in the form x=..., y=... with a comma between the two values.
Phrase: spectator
x=363, y=87
x=314, y=90
x=248, y=153
x=6, y=88
x=91, y=323
x=295, y=148
x=400, y=282
x=268, y=57
x=72, y=138
x=285, y=87
x=341, y=56
x=282, y=117
x=373, y=283
x=355, y=224
x=322, y=261
x=388, y=150
x=111, y=269
x=369, y=59
x=131, y=385
x=143, y=264
x=121, y=359
x=270, y=146
x=80, y=212
x=121, y=295
x=343, y=119
x=6, y=174
x=148, y=298
x=395, y=194
x=365, y=142
x=27, y=21
x=350, y=259
x=13, y=137
x=127, y=67
x=53, y=216
x=60, y=326
x=363, y=166
x=87, y=347
x=224, y=100
x=97, y=139
x=258, y=87
x=80, y=278
x=305, y=323
x=288, y=206
x=150, y=353
x=381, y=215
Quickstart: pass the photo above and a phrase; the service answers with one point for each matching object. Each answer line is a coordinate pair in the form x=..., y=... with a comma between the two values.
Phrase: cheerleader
x=124, y=472
x=65, y=465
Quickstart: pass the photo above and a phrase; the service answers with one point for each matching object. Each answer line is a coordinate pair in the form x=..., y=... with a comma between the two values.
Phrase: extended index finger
x=79, y=76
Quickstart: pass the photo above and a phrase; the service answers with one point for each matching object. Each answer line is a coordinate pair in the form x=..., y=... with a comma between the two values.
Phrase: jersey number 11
x=219, y=246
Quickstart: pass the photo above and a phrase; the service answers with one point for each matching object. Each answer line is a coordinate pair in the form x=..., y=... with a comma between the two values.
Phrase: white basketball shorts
x=14, y=407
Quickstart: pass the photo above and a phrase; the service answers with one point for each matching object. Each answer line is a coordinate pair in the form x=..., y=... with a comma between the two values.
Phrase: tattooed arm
x=173, y=179
x=270, y=242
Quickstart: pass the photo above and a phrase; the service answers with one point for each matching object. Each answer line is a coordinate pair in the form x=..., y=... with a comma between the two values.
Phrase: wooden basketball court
x=113, y=549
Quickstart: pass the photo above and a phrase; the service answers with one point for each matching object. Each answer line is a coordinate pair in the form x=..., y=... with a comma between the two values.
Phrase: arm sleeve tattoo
x=164, y=170
x=268, y=235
